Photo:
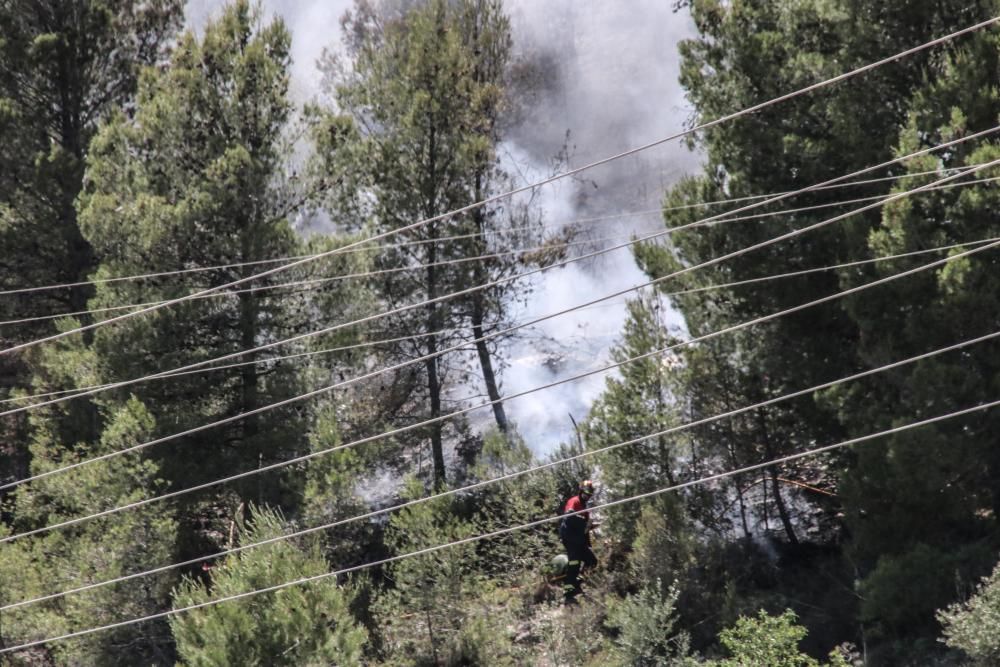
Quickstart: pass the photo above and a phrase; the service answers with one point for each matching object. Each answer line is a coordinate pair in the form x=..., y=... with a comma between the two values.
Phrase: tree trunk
x=80, y=253
x=434, y=388
x=479, y=314
x=434, y=323
x=779, y=501
x=731, y=446
x=739, y=489
x=433, y=381
x=249, y=378
x=486, y=363
x=665, y=459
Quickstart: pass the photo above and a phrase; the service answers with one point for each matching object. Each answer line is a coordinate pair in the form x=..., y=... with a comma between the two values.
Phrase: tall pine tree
x=192, y=181
x=425, y=90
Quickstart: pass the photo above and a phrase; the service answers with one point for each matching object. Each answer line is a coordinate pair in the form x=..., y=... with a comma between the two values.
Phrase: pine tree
x=750, y=52
x=922, y=506
x=766, y=640
x=646, y=623
x=93, y=551
x=308, y=624
x=428, y=603
x=424, y=88
x=194, y=180
x=638, y=404
x=65, y=65
x=973, y=625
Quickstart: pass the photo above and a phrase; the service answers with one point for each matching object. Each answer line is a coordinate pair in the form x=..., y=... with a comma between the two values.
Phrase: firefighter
x=574, y=531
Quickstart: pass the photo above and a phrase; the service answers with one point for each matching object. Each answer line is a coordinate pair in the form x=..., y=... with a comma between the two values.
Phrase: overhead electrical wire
x=512, y=529
x=404, y=429
x=375, y=343
x=441, y=239
x=329, y=279
x=513, y=475
x=515, y=191
x=867, y=181
x=844, y=202
x=329, y=388
x=690, y=268
x=268, y=360
x=834, y=267
x=552, y=246
x=985, y=406
x=508, y=279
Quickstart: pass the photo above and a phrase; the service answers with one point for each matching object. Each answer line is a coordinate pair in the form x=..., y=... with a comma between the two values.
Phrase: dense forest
x=228, y=440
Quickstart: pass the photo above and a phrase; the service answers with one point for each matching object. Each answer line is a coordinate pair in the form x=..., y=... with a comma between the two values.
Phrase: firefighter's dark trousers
x=580, y=556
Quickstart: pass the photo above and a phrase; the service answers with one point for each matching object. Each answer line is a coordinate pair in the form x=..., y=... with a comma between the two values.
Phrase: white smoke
x=611, y=81
x=612, y=84
x=314, y=24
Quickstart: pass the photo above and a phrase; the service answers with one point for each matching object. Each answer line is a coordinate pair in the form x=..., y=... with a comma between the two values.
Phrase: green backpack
x=556, y=568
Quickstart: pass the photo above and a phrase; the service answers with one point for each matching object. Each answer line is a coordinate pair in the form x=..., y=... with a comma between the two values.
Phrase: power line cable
x=513, y=475
x=405, y=429
x=511, y=529
x=844, y=202
x=868, y=181
x=329, y=279
x=515, y=191
x=329, y=388
x=508, y=279
x=375, y=343
x=845, y=265
x=269, y=360
x=456, y=237
x=319, y=282
x=147, y=276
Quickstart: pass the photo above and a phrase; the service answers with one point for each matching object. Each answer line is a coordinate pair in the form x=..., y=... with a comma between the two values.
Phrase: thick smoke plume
x=610, y=74
x=608, y=82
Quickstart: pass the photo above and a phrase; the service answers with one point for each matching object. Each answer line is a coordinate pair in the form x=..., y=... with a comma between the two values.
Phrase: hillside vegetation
x=299, y=477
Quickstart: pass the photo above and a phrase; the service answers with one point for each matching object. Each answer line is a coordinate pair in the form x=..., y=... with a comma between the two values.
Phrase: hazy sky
x=614, y=87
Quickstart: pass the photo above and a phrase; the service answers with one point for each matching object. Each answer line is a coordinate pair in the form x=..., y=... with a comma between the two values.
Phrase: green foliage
x=418, y=107
x=65, y=66
x=515, y=556
x=572, y=635
x=430, y=588
x=637, y=404
x=484, y=640
x=973, y=626
x=93, y=551
x=330, y=493
x=466, y=604
x=921, y=506
x=664, y=546
x=194, y=179
x=330, y=479
x=766, y=640
x=901, y=593
x=422, y=91
x=934, y=487
x=308, y=624
x=771, y=640
x=647, y=632
x=80, y=61
x=188, y=165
